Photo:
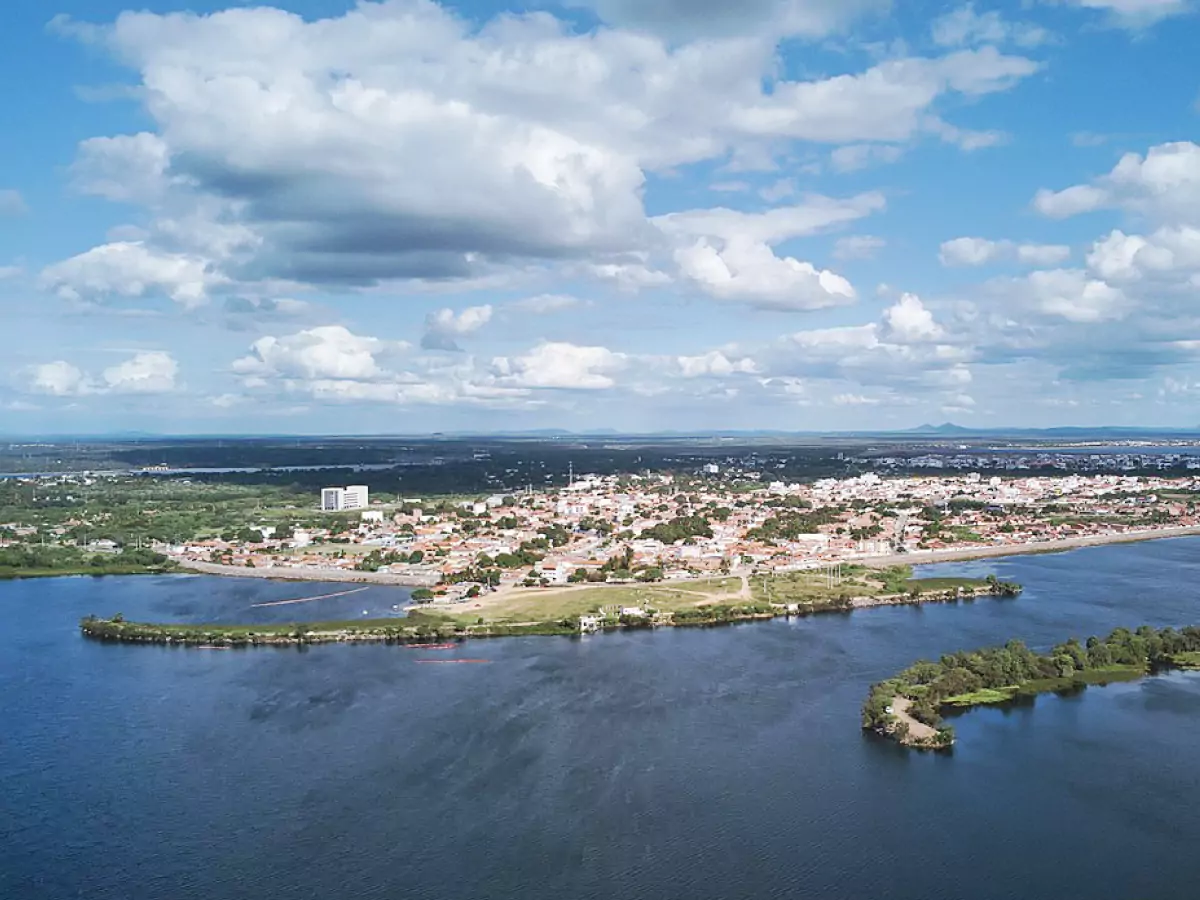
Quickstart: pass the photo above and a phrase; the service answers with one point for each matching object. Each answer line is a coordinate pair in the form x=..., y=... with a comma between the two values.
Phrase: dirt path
x=916, y=730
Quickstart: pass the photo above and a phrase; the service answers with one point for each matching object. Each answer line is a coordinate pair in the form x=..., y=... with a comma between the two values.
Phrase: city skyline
x=410, y=217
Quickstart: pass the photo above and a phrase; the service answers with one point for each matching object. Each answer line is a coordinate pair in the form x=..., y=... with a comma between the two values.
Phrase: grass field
x=856, y=581
x=551, y=604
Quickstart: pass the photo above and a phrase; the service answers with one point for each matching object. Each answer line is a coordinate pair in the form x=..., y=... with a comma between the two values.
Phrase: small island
x=582, y=610
x=908, y=708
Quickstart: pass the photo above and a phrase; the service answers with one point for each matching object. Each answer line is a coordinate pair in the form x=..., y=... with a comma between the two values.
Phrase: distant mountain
x=944, y=428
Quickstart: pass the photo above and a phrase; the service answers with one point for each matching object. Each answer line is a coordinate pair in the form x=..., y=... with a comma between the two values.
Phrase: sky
x=414, y=216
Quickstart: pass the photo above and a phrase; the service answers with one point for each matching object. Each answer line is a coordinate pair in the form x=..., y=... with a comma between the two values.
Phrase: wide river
x=723, y=763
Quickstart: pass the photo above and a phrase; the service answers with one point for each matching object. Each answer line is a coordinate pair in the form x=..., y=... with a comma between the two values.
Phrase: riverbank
x=284, y=573
x=988, y=551
x=998, y=675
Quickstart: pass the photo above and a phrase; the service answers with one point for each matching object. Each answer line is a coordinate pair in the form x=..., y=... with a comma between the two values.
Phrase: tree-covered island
x=908, y=708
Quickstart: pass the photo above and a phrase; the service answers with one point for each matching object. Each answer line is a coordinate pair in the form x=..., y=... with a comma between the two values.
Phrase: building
x=336, y=499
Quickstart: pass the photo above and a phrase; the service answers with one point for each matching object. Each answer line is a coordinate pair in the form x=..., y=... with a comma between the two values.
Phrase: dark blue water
x=722, y=763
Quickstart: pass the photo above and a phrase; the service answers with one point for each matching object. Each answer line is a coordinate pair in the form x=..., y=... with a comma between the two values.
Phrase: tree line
x=1013, y=670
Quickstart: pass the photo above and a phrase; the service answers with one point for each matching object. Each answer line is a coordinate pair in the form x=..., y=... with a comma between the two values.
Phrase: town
x=651, y=528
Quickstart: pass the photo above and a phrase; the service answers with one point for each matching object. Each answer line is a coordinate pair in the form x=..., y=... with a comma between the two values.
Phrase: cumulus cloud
x=908, y=321
x=400, y=141
x=131, y=269
x=153, y=372
x=972, y=251
x=148, y=372
x=444, y=325
x=59, y=379
x=730, y=256
x=558, y=365
x=1172, y=252
x=1164, y=184
x=1073, y=295
x=329, y=352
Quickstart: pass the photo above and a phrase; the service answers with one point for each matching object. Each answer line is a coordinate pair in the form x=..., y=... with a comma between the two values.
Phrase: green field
x=553, y=604
x=855, y=581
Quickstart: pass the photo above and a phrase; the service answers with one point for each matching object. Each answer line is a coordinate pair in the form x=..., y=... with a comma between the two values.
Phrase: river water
x=723, y=763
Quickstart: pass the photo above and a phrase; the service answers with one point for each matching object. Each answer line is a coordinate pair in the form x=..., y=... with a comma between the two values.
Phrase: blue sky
x=636, y=214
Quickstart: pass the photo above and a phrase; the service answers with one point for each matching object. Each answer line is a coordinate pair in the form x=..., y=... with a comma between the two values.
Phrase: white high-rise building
x=336, y=499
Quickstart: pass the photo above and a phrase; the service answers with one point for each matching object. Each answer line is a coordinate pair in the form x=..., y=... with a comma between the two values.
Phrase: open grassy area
x=1187, y=660
x=552, y=604
x=855, y=581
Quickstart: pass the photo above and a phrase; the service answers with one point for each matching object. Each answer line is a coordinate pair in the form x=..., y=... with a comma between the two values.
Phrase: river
x=723, y=763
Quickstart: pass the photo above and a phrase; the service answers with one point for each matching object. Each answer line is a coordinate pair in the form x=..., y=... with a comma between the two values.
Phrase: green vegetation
x=1000, y=674
x=37, y=561
x=679, y=529
x=815, y=589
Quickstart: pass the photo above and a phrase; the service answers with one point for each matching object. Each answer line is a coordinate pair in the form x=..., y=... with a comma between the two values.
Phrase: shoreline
x=283, y=573
x=913, y=558
x=992, y=551
x=417, y=629
x=909, y=707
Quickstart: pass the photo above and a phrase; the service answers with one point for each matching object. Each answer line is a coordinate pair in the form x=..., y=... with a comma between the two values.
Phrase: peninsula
x=908, y=708
x=582, y=610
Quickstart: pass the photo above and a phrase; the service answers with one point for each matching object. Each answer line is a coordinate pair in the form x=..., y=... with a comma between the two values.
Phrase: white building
x=336, y=499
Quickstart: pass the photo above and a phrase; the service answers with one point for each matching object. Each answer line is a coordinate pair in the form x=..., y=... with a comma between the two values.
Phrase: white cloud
x=147, y=372
x=131, y=269
x=730, y=256
x=12, y=203
x=399, y=141
x=1167, y=253
x=152, y=372
x=714, y=363
x=128, y=167
x=967, y=27
x=59, y=379
x=1163, y=184
x=444, y=325
x=972, y=251
x=909, y=322
x=562, y=366
x=330, y=352
x=1072, y=295
x=860, y=246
